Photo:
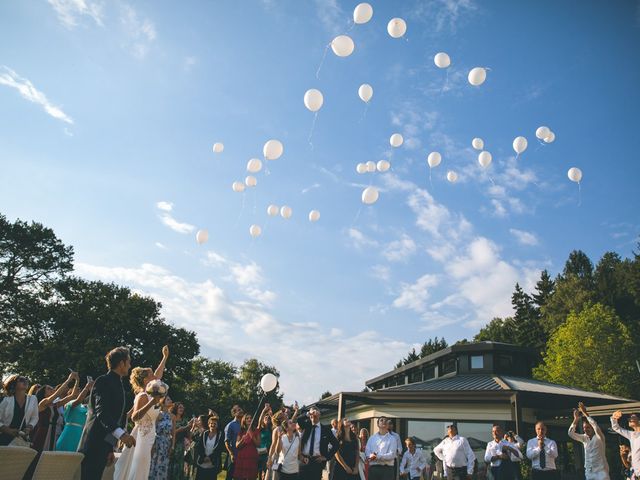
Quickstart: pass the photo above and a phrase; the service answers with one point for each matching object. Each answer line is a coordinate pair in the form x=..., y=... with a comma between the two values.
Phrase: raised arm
x=617, y=415
x=592, y=422
x=165, y=356
x=61, y=390
x=572, y=428
x=83, y=394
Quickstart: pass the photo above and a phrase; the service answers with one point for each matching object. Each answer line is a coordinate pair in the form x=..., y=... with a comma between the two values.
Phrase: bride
x=134, y=462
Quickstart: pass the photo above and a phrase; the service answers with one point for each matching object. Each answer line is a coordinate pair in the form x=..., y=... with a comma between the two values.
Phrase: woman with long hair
x=289, y=452
x=161, y=452
x=18, y=411
x=246, y=461
x=347, y=456
x=182, y=425
x=135, y=462
x=363, y=466
x=75, y=416
x=265, y=444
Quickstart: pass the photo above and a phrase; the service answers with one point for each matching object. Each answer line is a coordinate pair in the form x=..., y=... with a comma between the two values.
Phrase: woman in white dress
x=135, y=462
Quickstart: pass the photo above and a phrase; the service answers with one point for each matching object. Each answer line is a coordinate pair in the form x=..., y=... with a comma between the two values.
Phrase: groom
x=106, y=407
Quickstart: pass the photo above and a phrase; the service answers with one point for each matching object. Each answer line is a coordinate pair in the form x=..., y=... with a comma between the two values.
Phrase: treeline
x=585, y=324
x=51, y=320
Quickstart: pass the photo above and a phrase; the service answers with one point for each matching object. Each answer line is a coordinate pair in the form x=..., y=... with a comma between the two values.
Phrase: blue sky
x=110, y=111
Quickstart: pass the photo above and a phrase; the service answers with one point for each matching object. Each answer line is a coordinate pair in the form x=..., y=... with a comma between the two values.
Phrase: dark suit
x=313, y=469
x=215, y=457
x=106, y=407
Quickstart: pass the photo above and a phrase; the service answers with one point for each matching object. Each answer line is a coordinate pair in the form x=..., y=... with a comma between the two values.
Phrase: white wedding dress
x=135, y=462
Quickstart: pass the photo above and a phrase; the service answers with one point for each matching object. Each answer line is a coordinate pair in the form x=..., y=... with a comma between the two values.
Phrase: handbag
x=277, y=466
x=19, y=441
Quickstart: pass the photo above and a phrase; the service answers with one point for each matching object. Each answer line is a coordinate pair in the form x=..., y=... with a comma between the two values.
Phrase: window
x=477, y=361
x=449, y=365
x=429, y=372
x=415, y=376
x=427, y=433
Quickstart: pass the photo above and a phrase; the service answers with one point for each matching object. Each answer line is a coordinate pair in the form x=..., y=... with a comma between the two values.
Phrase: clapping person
x=348, y=456
x=18, y=411
x=318, y=445
x=75, y=416
x=633, y=435
x=380, y=452
x=498, y=455
x=593, y=440
x=542, y=452
x=413, y=462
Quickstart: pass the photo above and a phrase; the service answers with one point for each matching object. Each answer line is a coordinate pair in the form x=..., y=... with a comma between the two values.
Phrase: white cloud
x=140, y=33
x=523, y=237
x=70, y=12
x=161, y=246
x=381, y=272
x=443, y=14
x=392, y=182
x=414, y=296
x=188, y=63
x=28, y=91
x=237, y=330
x=359, y=240
x=413, y=122
x=164, y=206
x=400, y=250
x=175, y=225
x=310, y=187
x=331, y=15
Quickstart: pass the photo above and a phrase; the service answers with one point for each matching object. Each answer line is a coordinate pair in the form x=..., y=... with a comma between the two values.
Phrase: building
x=473, y=385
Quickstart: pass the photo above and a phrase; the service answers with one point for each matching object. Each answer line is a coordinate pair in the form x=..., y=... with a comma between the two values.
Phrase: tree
x=527, y=329
x=544, y=290
x=592, y=350
x=433, y=345
x=209, y=387
x=497, y=330
x=570, y=294
x=579, y=265
x=326, y=394
x=245, y=387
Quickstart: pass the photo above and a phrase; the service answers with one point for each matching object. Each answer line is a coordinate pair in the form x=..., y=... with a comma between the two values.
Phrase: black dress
x=348, y=450
x=16, y=420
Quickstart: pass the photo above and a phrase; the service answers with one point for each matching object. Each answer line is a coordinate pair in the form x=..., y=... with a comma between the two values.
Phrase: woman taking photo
x=75, y=416
x=208, y=451
x=50, y=421
x=347, y=456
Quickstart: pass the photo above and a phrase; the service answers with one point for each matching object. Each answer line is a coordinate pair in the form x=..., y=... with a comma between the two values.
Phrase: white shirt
x=455, y=453
x=288, y=457
x=413, y=464
x=550, y=452
x=594, y=456
x=384, y=446
x=495, y=449
x=634, y=440
x=398, y=442
x=30, y=411
x=316, y=442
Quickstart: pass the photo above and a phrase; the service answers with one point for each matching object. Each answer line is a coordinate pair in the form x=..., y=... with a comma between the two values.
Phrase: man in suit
x=106, y=407
x=316, y=439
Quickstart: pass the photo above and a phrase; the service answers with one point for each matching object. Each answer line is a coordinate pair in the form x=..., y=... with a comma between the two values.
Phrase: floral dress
x=177, y=458
x=160, y=458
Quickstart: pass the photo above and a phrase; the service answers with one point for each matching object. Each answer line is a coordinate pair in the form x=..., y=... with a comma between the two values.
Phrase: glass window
x=477, y=361
x=478, y=435
x=449, y=366
x=415, y=376
x=429, y=372
x=427, y=434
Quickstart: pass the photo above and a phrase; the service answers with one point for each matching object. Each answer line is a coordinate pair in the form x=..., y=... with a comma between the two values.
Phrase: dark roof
x=457, y=382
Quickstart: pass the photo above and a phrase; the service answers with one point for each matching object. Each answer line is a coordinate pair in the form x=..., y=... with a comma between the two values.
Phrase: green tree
x=570, y=294
x=209, y=387
x=326, y=394
x=498, y=330
x=544, y=290
x=528, y=331
x=245, y=386
x=592, y=350
x=433, y=345
x=580, y=265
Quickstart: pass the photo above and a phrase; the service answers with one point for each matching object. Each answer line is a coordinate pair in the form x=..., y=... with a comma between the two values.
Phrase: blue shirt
x=231, y=432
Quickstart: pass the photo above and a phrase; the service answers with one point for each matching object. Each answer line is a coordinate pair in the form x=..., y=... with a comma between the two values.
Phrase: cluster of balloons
x=545, y=134
x=371, y=166
x=476, y=76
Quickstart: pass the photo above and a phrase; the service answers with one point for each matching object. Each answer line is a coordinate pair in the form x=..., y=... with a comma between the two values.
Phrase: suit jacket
x=7, y=406
x=106, y=407
x=326, y=438
x=215, y=457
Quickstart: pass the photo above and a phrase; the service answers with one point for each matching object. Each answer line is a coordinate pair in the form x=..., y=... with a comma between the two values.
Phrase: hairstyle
x=174, y=408
x=540, y=422
x=366, y=432
x=213, y=417
x=203, y=420
x=342, y=432
x=40, y=393
x=11, y=383
x=115, y=356
x=234, y=410
x=382, y=420
x=34, y=388
x=244, y=423
x=410, y=440
x=138, y=374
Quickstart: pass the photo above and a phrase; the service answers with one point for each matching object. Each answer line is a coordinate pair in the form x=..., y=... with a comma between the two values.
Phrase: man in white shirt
x=381, y=450
x=499, y=453
x=542, y=452
x=456, y=454
x=595, y=461
x=634, y=439
x=396, y=461
x=413, y=462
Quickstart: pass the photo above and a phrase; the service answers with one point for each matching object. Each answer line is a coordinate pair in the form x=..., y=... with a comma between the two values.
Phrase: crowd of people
x=279, y=445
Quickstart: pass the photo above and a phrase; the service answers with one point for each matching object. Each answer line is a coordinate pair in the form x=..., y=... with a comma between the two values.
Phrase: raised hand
x=165, y=351
x=617, y=415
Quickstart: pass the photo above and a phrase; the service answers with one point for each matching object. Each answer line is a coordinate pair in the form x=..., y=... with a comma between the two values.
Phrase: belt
x=75, y=424
x=380, y=465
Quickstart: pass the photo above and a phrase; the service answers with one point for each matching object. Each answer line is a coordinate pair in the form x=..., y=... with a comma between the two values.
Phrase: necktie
x=312, y=440
x=543, y=458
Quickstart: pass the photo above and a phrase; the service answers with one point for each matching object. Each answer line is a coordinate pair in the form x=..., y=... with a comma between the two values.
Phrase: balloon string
x=355, y=219
x=364, y=113
x=326, y=49
x=579, y=194
x=446, y=83
x=430, y=182
x=491, y=180
x=353, y=24
x=241, y=211
x=313, y=126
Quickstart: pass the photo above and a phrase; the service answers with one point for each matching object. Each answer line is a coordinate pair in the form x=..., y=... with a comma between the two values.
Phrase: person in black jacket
x=208, y=451
x=316, y=439
x=104, y=419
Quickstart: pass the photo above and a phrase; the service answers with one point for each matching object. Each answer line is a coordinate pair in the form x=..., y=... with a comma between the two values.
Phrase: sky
x=109, y=111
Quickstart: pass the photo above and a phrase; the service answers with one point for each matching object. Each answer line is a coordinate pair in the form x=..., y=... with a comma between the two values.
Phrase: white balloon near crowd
x=396, y=27
x=202, y=236
x=362, y=13
x=255, y=231
x=343, y=45
x=361, y=168
x=477, y=76
x=519, y=144
x=238, y=187
x=371, y=166
x=452, y=176
x=477, y=143
x=442, y=60
x=286, y=212
x=434, y=159
x=365, y=92
x=268, y=382
x=396, y=140
x=370, y=195
x=313, y=100
x=218, y=147
x=273, y=210
x=250, y=181
x=314, y=215
x=273, y=149
x=484, y=159
x=383, y=165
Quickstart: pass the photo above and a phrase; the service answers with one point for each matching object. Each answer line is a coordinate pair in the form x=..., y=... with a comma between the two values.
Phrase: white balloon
x=238, y=187
x=218, y=147
x=342, y=45
x=397, y=27
x=477, y=76
x=362, y=13
x=371, y=166
x=250, y=181
x=434, y=159
x=254, y=165
x=268, y=382
x=575, y=174
x=550, y=138
x=286, y=212
x=452, y=176
x=484, y=159
x=314, y=215
x=272, y=210
x=361, y=168
x=313, y=99
x=370, y=195
x=477, y=143
x=255, y=231
x=202, y=236
x=542, y=132
x=396, y=140
x=442, y=60
x=519, y=144
x=383, y=166
x=273, y=149
x=365, y=92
